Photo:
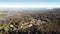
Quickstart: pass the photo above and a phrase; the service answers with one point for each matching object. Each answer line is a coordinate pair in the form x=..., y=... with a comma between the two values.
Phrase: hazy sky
x=29, y=3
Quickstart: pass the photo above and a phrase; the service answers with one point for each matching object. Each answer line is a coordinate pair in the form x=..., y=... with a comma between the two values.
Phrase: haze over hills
x=21, y=11
x=14, y=11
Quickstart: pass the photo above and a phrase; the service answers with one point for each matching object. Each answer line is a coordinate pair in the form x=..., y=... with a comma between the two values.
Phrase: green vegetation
x=48, y=22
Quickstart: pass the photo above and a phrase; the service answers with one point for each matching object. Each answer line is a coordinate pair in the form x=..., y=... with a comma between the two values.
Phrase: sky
x=29, y=3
